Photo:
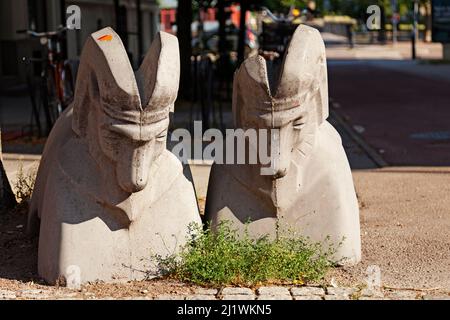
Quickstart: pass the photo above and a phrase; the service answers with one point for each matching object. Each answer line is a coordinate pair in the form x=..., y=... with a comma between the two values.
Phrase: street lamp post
x=394, y=21
x=242, y=30
x=139, y=30
x=415, y=28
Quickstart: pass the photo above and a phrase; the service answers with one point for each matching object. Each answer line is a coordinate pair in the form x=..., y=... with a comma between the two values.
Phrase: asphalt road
x=405, y=117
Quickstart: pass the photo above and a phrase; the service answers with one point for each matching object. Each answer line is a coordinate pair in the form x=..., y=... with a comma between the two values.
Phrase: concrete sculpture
x=108, y=194
x=311, y=189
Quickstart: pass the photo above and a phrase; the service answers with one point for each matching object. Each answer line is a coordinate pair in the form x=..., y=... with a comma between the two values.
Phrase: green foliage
x=223, y=258
x=273, y=5
x=357, y=8
x=294, y=3
x=283, y=5
x=352, y=8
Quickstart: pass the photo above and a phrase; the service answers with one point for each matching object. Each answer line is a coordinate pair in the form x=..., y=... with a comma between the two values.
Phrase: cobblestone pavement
x=234, y=293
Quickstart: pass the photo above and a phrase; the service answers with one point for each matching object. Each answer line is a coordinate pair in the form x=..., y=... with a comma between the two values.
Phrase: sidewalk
x=337, y=48
x=404, y=213
x=400, y=108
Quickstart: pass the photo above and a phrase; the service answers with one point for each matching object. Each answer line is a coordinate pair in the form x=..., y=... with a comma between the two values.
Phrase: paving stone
x=336, y=297
x=170, y=297
x=236, y=291
x=61, y=293
x=239, y=297
x=35, y=294
x=402, y=295
x=307, y=291
x=206, y=291
x=200, y=297
x=312, y=297
x=430, y=297
x=340, y=291
x=7, y=294
x=273, y=291
x=135, y=298
x=371, y=298
x=371, y=293
x=274, y=297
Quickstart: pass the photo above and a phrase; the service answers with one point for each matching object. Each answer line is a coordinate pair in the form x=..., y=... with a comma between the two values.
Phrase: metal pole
x=116, y=12
x=184, y=21
x=139, y=30
x=44, y=16
x=222, y=35
x=414, y=31
x=242, y=31
x=62, y=13
x=394, y=21
x=221, y=18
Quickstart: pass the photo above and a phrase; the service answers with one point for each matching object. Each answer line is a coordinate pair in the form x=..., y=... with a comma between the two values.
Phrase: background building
x=136, y=21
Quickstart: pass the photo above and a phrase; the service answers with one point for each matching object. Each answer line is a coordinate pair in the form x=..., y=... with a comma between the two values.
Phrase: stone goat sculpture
x=108, y=194
x=311, y=189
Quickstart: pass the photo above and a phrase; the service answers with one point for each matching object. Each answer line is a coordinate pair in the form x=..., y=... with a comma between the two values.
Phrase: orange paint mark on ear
x=106, y=37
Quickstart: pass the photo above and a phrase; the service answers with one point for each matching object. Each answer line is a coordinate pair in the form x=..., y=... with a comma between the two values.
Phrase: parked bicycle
x=56, y=81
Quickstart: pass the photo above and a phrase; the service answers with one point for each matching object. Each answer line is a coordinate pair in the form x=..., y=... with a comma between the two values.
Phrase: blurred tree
x=184, y=21
x=294, y=3
x=357, y=8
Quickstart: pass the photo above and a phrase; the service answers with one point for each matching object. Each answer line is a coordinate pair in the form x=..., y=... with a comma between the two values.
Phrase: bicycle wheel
x=54, y=105
x=66, y=85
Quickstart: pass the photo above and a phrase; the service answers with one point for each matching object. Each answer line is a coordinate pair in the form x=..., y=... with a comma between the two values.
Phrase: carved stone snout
x=134, y=148
x=133, y=169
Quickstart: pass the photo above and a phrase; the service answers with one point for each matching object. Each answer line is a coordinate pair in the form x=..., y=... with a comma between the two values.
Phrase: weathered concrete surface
x=108, y=194
x=310, y=190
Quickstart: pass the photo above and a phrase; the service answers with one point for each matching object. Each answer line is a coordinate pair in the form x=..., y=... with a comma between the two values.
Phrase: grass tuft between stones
x=24, y=184
x=222, y=257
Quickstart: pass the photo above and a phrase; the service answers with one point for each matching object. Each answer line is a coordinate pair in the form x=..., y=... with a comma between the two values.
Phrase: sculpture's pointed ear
x=105, y=74
x=304, y=69
x=250, y=84
x=159, y=75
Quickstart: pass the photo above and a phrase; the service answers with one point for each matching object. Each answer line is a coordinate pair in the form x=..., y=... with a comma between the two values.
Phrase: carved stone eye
x=299, y=123
x=162, y=136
